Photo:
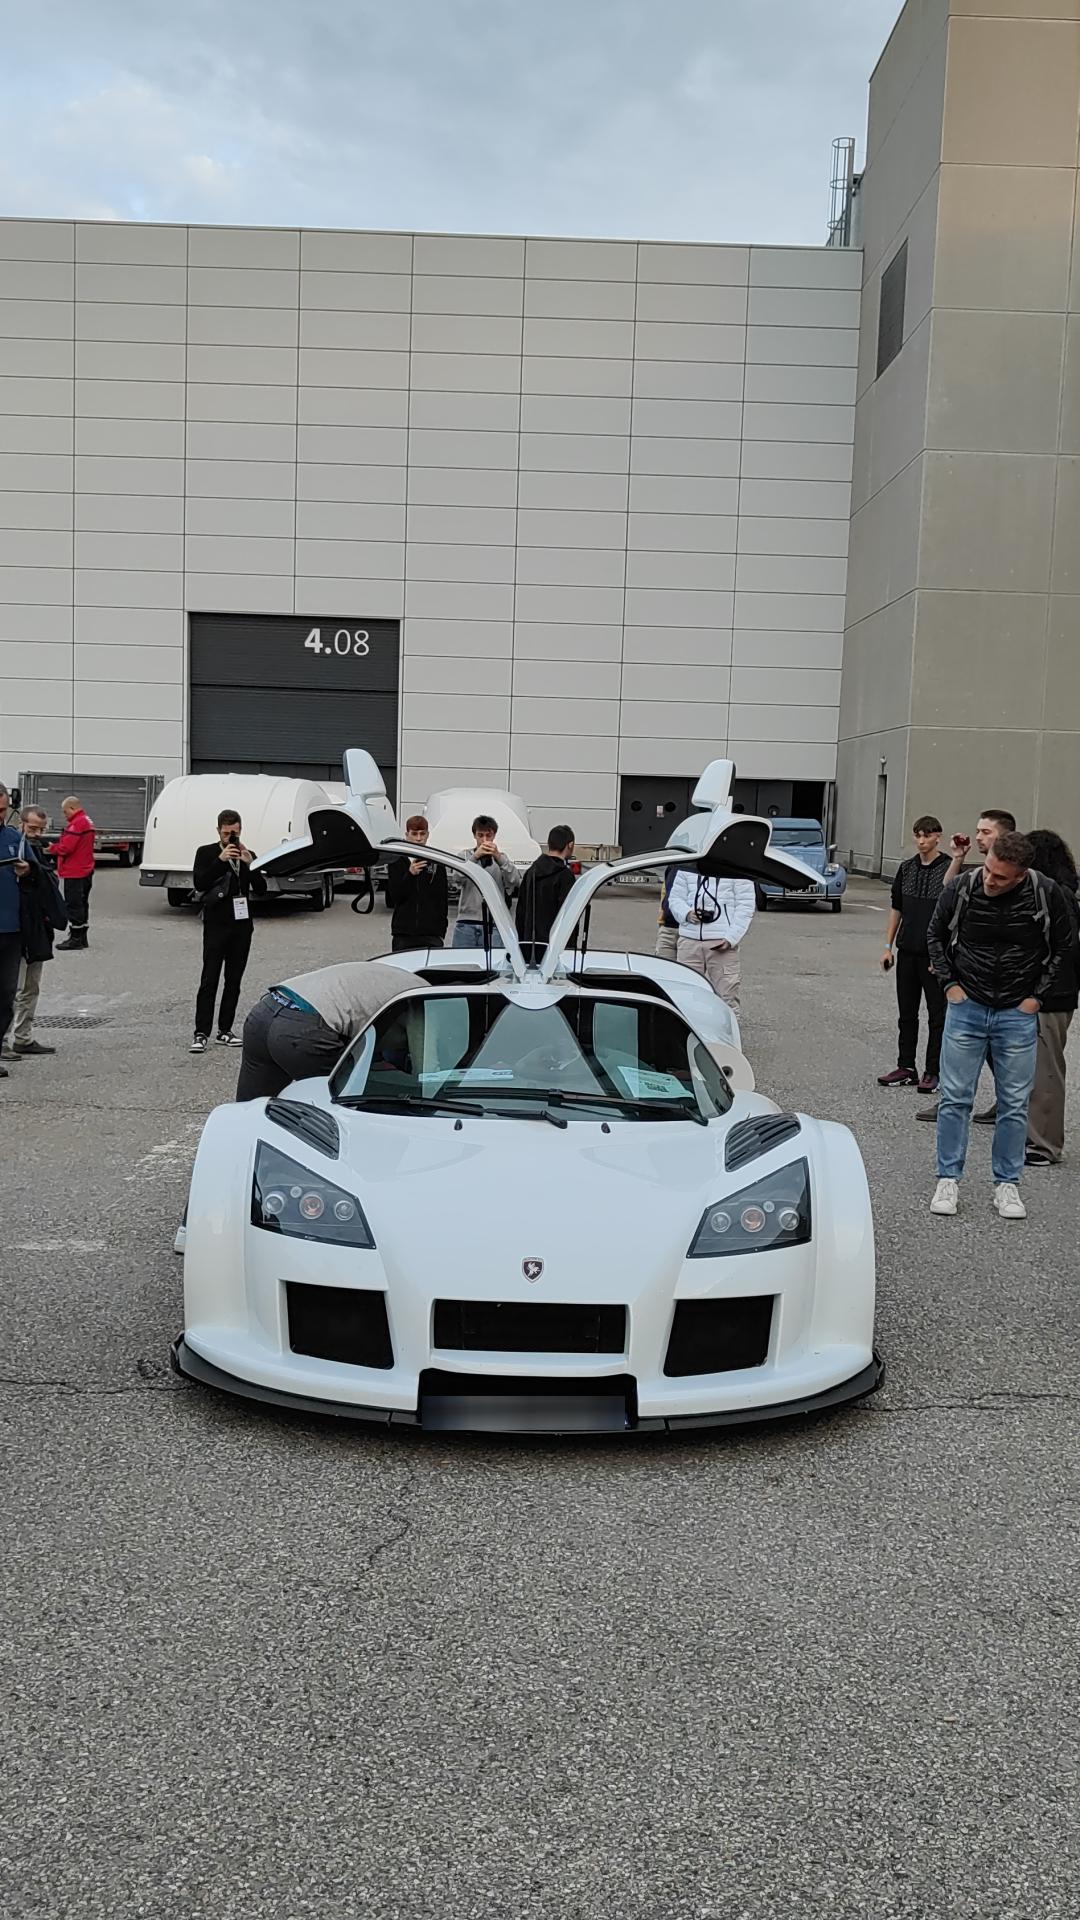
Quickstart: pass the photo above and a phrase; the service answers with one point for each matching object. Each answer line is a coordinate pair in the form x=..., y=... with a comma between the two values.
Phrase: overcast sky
x=679, y=119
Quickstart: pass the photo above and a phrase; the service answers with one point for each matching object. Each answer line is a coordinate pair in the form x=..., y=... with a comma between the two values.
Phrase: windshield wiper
x=415, y=1103
x=407, y=1103
x=648, y=1109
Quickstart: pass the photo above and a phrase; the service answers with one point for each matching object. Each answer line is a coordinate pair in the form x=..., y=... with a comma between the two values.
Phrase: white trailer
x=272, y=808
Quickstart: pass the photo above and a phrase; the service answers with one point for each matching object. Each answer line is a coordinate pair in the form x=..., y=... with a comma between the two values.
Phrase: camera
x=707, y=915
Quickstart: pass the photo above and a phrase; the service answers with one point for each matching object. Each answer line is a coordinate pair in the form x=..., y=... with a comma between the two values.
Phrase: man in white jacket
x=713, y=916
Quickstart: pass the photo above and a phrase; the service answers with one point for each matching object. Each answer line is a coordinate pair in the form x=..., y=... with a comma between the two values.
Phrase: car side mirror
x=832, y=849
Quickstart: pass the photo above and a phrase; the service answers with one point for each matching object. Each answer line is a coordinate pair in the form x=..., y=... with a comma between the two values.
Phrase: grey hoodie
x=470, y=903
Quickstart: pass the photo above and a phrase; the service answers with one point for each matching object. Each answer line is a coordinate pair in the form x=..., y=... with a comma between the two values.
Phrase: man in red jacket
x=74, y=853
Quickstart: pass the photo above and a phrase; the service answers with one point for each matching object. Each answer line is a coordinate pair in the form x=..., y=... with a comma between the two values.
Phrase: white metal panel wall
x=605, y=484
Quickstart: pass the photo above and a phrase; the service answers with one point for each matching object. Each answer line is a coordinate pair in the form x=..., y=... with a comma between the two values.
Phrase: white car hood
x=621, y=1205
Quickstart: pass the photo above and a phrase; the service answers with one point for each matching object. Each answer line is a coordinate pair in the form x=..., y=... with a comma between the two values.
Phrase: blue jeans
x=972, y=1032
x=470, y=933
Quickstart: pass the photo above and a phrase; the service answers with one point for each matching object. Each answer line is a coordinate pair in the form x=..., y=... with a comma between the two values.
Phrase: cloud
x=683, y=120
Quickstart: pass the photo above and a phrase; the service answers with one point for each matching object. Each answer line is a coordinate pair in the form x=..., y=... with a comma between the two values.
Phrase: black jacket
x=420, y=901
x=543, y=891
x=41, y=912
x=916, y=890
x=218, y=885
x=1005, y=947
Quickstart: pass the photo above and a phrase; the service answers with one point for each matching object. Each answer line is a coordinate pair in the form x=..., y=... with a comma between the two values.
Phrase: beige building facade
x=961, y=676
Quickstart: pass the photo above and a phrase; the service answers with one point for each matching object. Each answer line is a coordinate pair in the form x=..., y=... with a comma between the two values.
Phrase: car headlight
x=774, y=1212
x=832, y=869
x=289, y=1198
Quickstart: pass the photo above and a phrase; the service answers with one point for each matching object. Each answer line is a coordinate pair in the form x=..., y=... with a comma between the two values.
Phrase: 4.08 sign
x=341, y=641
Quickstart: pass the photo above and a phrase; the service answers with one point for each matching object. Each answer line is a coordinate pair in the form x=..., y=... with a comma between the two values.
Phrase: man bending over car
x=300, y=1029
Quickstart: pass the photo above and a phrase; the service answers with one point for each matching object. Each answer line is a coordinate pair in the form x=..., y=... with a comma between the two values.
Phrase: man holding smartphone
x=469, y=926
x=418, y=893
x=225, y=885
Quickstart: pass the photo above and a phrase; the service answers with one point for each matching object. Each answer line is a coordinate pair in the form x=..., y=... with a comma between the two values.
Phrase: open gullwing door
x=362, y=830
x=717, y=844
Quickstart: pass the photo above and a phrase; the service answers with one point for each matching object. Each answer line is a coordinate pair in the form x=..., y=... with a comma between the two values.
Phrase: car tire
x=178, y=896
x=125, y=857
x=837, y=906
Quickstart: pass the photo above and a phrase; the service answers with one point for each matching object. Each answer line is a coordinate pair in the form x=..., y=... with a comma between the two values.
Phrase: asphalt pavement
x=261, y=1668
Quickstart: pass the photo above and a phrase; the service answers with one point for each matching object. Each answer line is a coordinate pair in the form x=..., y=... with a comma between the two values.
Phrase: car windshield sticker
x=466, y=1074
x=642, y=1084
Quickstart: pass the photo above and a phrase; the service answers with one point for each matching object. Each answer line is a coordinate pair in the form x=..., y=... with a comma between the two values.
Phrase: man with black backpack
x=225, y=887
x=996, y=944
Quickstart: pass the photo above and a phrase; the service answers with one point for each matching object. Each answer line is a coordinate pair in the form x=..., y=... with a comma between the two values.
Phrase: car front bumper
x=610, y=1409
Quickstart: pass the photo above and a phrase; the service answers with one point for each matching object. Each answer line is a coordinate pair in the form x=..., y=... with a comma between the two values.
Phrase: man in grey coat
x=469, y=926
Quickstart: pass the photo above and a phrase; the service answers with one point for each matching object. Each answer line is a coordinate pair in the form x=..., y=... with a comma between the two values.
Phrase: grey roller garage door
x=287, y=694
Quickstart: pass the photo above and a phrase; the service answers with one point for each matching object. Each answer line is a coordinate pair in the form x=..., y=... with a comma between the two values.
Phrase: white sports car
x=540, y=1200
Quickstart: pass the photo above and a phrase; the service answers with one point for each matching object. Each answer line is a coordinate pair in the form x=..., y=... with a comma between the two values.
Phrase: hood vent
x=309, y=1124
x=751, y=1138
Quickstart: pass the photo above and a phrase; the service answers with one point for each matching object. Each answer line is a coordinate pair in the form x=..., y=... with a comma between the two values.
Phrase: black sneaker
x=32, y=1046
x=198, y=1044
x=988, y=1118
x=229, y=1039
x=1038, y=1157
x=928, y=1113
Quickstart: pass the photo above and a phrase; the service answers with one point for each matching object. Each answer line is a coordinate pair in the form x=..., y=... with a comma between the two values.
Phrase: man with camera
x=225, y=886
x=417, y=892
x=713, y=916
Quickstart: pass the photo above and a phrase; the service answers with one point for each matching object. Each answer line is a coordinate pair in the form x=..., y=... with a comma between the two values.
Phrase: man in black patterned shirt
x=915, y=892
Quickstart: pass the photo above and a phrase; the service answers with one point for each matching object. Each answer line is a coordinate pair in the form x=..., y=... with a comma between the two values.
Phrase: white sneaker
x=946, y=1197
x=179, y=1245
x=1008, y=1202
x=198, y=1043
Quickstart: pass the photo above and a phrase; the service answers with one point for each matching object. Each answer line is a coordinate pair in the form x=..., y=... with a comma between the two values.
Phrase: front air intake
x=347, y=1324
x=719, y=1336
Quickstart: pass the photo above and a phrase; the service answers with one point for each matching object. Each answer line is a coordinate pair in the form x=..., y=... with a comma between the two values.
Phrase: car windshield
x=585, y=1056
x=797, y=837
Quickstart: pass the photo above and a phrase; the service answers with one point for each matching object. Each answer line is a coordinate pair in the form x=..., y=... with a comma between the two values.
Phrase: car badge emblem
x=532, y=1269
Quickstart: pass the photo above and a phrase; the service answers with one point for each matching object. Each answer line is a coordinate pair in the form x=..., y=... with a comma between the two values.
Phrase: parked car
x=320, y=1272
x=805, y=839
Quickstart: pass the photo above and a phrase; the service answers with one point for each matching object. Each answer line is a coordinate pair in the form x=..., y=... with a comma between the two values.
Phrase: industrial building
x=573, y=516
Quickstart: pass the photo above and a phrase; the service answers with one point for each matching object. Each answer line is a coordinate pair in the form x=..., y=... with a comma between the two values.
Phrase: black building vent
x=339, y=1323
x=890, y=335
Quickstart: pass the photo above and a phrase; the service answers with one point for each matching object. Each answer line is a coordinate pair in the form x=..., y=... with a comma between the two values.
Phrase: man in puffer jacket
x=713, y=916
x=74, y=856
x=997, y=941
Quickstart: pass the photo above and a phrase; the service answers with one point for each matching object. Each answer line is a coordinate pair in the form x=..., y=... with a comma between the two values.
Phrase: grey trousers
x=282, y=1044
x=1046, y=1112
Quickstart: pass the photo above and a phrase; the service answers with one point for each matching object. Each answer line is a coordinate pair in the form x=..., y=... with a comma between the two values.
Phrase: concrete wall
x=962, y=647
x=605, y=485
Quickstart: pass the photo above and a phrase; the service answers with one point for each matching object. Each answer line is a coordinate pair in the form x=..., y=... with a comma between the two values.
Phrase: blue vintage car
x=806, y=839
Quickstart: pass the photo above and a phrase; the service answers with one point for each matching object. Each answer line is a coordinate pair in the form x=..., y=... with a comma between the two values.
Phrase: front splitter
x=194, y=1367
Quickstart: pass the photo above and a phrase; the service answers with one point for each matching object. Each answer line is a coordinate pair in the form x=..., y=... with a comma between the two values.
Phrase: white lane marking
x=59, y=1246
